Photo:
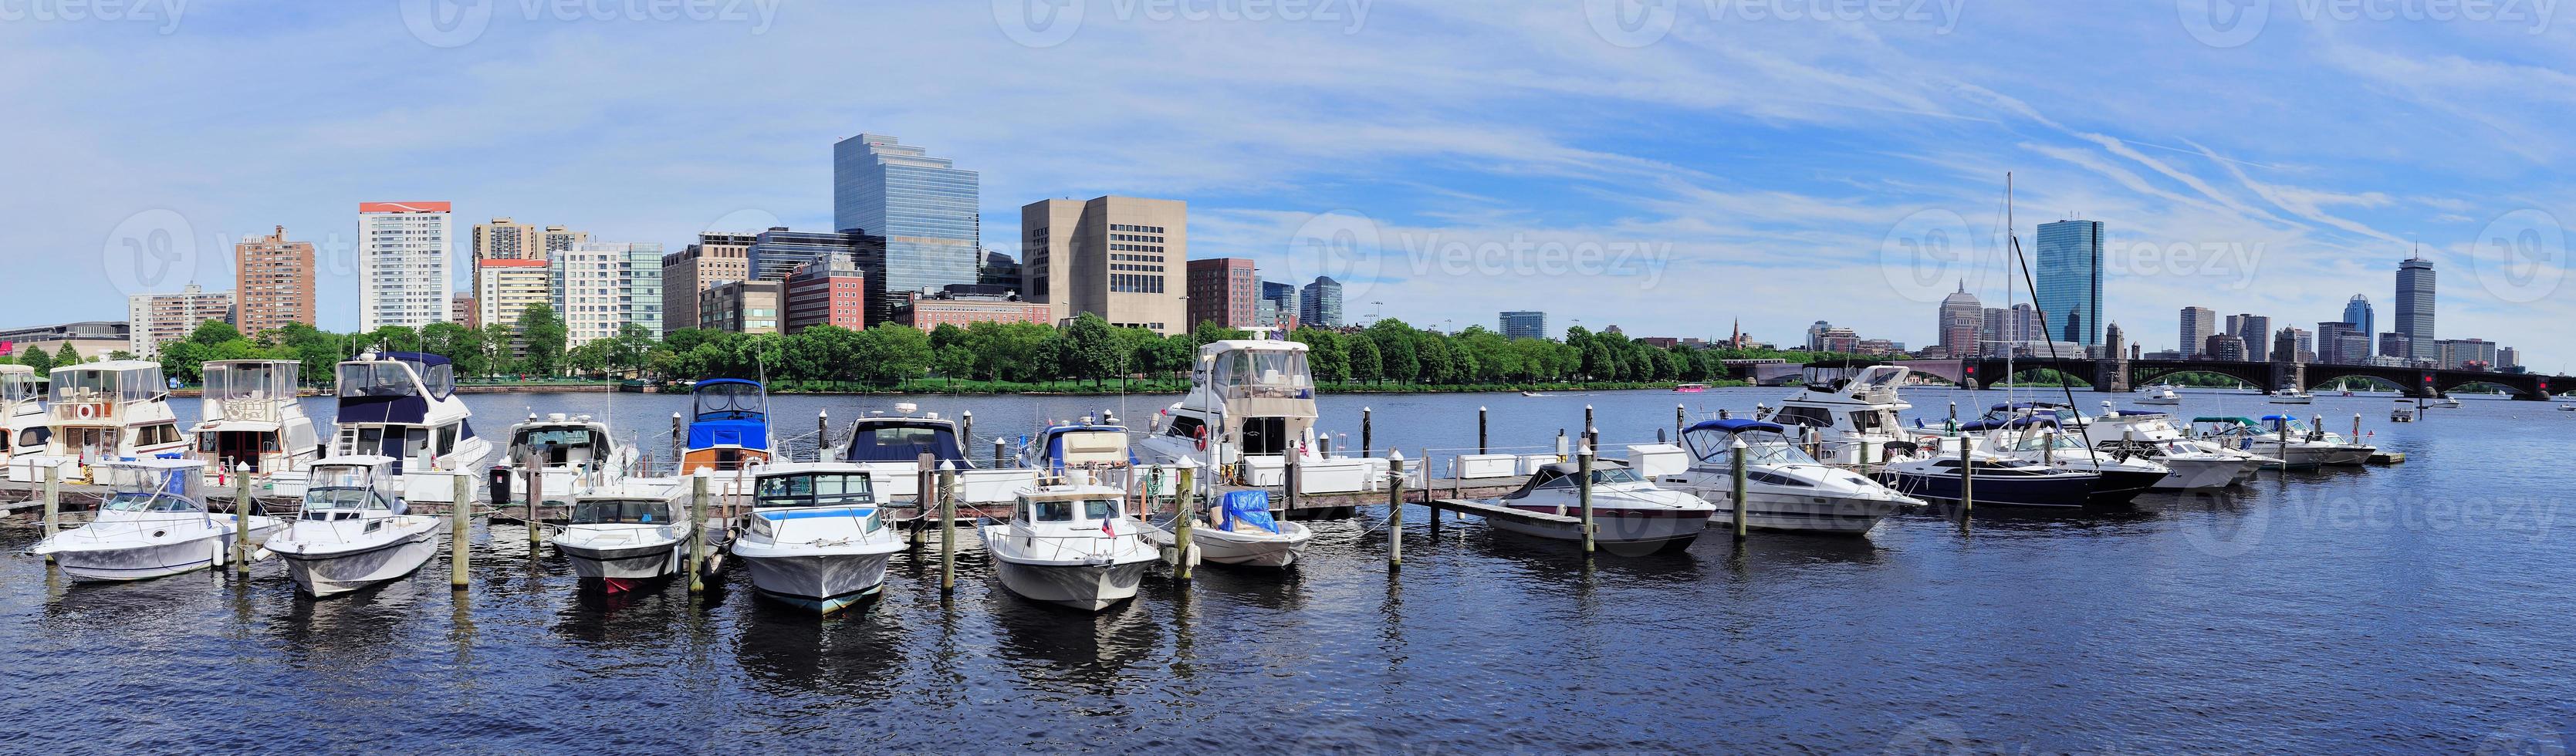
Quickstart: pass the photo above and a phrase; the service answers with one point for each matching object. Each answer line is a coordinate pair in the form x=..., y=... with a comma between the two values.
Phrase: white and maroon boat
x=1627, y=509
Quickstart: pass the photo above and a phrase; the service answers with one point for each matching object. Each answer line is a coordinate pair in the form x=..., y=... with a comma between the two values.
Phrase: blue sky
x=1667, y=167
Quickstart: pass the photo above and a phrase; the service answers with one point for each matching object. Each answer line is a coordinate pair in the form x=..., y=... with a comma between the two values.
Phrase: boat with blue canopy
x=728, y=425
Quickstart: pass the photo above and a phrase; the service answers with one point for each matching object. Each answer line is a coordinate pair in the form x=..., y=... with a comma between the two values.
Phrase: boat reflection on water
x=792, y=653
x=348, y=632
x=1081, y=653
x=651, y=615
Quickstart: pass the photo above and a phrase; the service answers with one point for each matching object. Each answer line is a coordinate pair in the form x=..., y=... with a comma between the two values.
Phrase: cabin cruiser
x=2293, y=396
x=1627, y=509
x=1784, y=488
x=814, y=537
x=1071, y=545
x=2405, y=411
x=1242, y=533
x=1249, y=399
x=2039, y=438
x=22, y=413
x=2296, y=449
x=102, y=412
x=1856, y=419
x=627, y=533
x=2348, y=452
x=252, y=419
x=575, y=454
x=890, y=448
x=728, y=425
x=2000, y=480
x=353, y=531
x=153, y=523
x=1099, y=447
x=2127, y=442
x=2448, y=402
x=2162, y=396
x=403, y=405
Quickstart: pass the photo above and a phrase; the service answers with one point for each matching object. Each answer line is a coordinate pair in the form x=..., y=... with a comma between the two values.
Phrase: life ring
x=1201, y=435
x=86, y=411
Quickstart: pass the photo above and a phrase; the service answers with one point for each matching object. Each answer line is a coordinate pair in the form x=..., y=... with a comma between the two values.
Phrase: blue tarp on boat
x=1249, y=507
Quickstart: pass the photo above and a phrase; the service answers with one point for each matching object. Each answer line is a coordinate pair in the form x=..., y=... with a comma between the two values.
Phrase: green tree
x=214, y=332
x=66, y=355
x=1091, y=349
x=893, y=353
x=1365, y=365
x=38, y=359
x=542, y=338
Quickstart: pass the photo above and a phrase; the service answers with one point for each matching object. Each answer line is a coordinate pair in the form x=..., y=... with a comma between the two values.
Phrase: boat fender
x=87, y=411
x=1202, y=436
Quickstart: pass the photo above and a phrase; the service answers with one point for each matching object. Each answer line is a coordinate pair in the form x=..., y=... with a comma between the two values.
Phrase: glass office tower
x=925, y=208
x=2415, y=308
x=2069, y=269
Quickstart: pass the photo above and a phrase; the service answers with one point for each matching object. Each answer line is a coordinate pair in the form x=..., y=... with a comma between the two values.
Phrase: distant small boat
x=2293, y=396
x=2405, y=411
x=2448, y=402
x=2159, y=395
x=1532, y=394
x=1690, y=388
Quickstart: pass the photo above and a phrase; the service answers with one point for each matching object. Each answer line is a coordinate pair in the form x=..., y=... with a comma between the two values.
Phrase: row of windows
x=1135, y=238
x=1133, y=283
x=1138, y=268
x=1137, y=247
x=1138, y=229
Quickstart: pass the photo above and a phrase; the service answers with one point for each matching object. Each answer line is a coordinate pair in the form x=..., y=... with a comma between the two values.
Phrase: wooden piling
x=997, y=453
x=53, y=503
x=1367, y=438
x=1181, y=515
x=536, y=502
x=822, y=435
x=1480, y=429
x=241, y=520
x=1967, y=479
x=679, y=446
x=1583, y=489
x=921, y=483
x=947, y=527
x=965, y=430
x=1681, y=422
x=460, y=523
x=697, y=532
x=1295, y=479
x=1587, y=425
x=1394, y=509
x=1738, y=471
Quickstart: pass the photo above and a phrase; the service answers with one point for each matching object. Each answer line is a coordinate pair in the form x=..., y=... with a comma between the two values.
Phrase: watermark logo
x=1638, y=23
x=1047, y=23
x=2529, y=736
x=456, y=23
x=2231, y=262
x=2521, y=256
x=165, y=13
x=1630, y=23
x=150, y=252
x=2224, y=23
x=1521, y=256
x=1931, y=735
x=1342, y=245
x=2217, y=525
x=1927, y=254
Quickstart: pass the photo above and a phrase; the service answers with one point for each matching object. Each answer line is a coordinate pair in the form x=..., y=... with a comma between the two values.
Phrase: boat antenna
x=2014, y=235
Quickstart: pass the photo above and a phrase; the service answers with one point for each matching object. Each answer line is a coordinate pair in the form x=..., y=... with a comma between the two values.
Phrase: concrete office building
x=2415, y=303
x=599, y=288
x=715, y=258
x=506, y=239
x=2198, y=324
x=156, y=319
x=742, y=306
x=1122, y=258
x=505, y=288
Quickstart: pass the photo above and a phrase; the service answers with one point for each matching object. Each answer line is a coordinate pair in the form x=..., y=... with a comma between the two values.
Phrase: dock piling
x=822, y=435
x=947, y=527
x=53, y=503
x=679, y=446
x=1583, y=490
x=1738, y=471
x=1480, y=429
x=1560, y=445
x=1394, y=509
x=1181, y=516
x=997, y=452
x=1681, y=421
x=1967, y=480
x=241, y=520
x=1295, y=479
x=460, y=523
x=1367, y=438
x=536, y=500
x=921, y=483
x=697, y=532
x=965, y=429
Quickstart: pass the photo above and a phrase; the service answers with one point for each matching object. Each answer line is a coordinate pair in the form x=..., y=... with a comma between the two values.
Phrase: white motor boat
x=252, y=419
x=1784, y=488
x=1071, y=545
x=2345, y=452
x=574, y=455
x=1243, y=532
x=628, y=533
x=22, y=413
x=2162, y=396
x=1627, y=509
x=2447, y=402
x=814, y=537
x=1998, y=480
x=403, y=405
x=105, y=411
x=1100, y=449
x=2293, y=396
x=1855, y=420
x=2295, y=450
x=2153, y=435
x=1249, y=399
x=154, y=523
x=889, y=449
x=2405, y=411
x=2038, y=439
x=353, y=531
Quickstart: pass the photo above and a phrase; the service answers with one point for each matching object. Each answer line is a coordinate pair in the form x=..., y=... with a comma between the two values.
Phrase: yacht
x=814, y=537
x=252, y=418
x=1072, y=545
x=1249, y=399
x=2127, y=441
x=575, y=455
x=1856, y=418
x=2293, y=396
x=353, y=531
x=2448, y=402
x=2283, y=438
x=1784, y=488
x=2039, y=439
x=1099, y=447
x=728, y=425
x=2347, y=452
x=2405, y=411
x=153, y=523
x=627, y=533
x=2161, y=396
x=2000, y=480
x=890, y=447
x=1627, y=509
x=106, y=411
x=22, y=413
x=1238, y=529
x=403, y=405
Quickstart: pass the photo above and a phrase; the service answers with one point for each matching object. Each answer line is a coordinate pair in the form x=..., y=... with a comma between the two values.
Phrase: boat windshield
x=621, y=512
x=376, y=379
x=17, y=387
x=557, y=437
x=144, y=501
x=86, y=385
x=1063, y=511
x=815, y=490
x=1717, y=447
x=904, y=441
x=1600, y=476
x=344, y=498
x=2032, y=443
x=251, y=380
x=729, y=401
x=1262, y=373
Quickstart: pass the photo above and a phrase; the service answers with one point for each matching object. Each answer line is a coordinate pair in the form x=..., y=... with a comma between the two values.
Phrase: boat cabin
x=728, y=425
x=22, y=412
x=1712, y=444
x=107, y=410
x=1083, y=446
x=810, y=488
x=1567, y=476
x=1077, y=510
x=351, y=487
x=1247, y=398
x=904, y=439
x=251, y=417
x=403, y=405
x=153, y=485
x=562, y=441
x=622, y=510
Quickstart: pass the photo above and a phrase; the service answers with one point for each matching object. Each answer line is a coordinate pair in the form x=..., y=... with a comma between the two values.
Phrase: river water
x=2420, y=607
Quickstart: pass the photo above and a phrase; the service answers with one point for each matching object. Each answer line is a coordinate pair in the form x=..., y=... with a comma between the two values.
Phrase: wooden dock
x=1492, y=512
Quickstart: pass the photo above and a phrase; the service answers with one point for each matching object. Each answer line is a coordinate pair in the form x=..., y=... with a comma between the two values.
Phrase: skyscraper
x=925, y=208
x=2335, y=340
x=506, y=239
x=402, y=263
x=1962, y=320
x=1320, y=304
x=2197, y=325
x=2415, y=307
x=1524, y=324
x=716, y=258
x=2256, y=332
x=599, y=288
x=273, y=282
x=155, y=319
x=2357, y=312
x=1222, y=290
x=504, y=288
x=1122, y=258
x=2069, y=273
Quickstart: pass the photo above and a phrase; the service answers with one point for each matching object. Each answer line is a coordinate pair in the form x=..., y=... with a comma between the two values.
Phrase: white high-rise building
x=599, y=287
x=402, y=263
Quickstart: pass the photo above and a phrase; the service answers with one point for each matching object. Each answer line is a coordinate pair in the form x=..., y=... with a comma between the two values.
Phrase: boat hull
x=1089, y=587
x=328, y=573
x=825, y=584
x=2199, y=474
x=1801, y=514
x=2053, y=491
x=1657, y=529
x=644, y=562
x=120, y=563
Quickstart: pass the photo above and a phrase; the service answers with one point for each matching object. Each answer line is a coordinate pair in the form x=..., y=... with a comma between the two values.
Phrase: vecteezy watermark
x=1521, y=256
x=2233, y=23
x=1928, y=253
x=1342, y=245
x=1047, y=23
x=163, y=12
x=1638, y=23
x=2521, y=256
x=455, y=23
x=2232, y=262
x=149, y=252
